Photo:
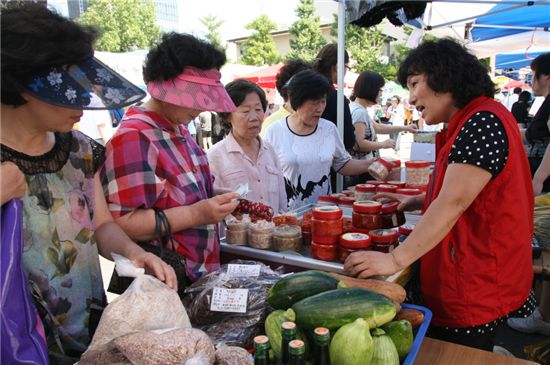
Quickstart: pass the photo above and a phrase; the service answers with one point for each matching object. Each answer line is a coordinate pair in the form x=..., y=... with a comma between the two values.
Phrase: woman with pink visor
x=153, y=163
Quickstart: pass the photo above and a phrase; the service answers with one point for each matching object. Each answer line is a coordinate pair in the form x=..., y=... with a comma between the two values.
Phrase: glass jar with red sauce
x=346, y=201
x=386, y=188
x=391, y=217
x=351, y=242
x=384, y=240
x=366, y=214
x=324, y=252
x=327, y=225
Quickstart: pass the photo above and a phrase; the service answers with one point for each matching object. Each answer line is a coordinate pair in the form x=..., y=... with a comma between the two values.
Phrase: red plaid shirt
x=151, y=164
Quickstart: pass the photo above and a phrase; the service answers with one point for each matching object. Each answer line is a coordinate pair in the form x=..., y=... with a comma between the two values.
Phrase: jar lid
x=327, y=212
x=348, y=192
x=417, y=164
x=359, y=230
x=346, y=200
x=406, y=228
x=394, y=163
x=287, y=231
x=419, y=187
x=386, y=188
x=328, y=199
x=367, y=206
x=390, y=207
x=365, y=187
x=374, y=182
x=355, y=240
x=399, y=184
x=408, y=191
x=383, y=235
x=338, y=195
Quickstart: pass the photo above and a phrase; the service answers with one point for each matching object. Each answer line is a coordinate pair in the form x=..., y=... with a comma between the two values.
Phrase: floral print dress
x=60, y=253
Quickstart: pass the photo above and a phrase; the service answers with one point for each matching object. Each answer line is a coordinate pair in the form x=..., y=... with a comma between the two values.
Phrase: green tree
x=259, y=49
x=124, y=25
x=306, y=38
x=212, y=24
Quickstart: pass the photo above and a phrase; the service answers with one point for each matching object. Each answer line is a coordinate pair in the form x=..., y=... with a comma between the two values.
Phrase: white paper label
x=238, y=270
x=229, y=300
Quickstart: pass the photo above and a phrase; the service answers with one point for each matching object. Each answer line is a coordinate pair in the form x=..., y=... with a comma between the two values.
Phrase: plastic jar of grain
x=260, y=235
x=236, y=232
x=364, y=191
x=287, y=238
x=418, y=173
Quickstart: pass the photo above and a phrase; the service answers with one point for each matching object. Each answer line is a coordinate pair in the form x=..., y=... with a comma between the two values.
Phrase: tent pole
x=340, y=72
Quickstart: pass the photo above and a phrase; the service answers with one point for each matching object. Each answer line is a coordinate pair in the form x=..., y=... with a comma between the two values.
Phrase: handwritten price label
x=229, y=300
x=238, y=270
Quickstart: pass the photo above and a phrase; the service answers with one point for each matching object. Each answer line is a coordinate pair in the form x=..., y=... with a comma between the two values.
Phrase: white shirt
x=306, y=159
x=91, y=120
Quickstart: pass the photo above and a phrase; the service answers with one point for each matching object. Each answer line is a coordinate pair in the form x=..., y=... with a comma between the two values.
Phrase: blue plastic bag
x=22, y=335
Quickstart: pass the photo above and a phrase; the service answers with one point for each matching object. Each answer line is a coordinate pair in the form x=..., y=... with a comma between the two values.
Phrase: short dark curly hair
x=175, y=51
x=238, y=90
x=307, y=85
x=326, y=58
x=290, y=68
x=367, y=86
x=448, y=67
x=35, y=39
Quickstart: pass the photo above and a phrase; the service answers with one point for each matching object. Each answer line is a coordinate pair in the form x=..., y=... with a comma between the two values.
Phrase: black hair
x=307, y=85
x=524, y=96
x=238, y=90
x=35, y=39
x=448, y=67
x=175, y=51
x=367, y=86
x=326, y=58
x=541, y=65
x=290, y=68
x=517, y=90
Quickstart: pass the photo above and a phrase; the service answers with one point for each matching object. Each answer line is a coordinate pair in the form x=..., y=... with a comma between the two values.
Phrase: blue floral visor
x=89, y=84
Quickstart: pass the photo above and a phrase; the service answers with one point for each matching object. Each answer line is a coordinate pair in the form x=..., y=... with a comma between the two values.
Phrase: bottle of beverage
x=261, y=350
x=321, y=338
x=288, y=332
x=297, y=351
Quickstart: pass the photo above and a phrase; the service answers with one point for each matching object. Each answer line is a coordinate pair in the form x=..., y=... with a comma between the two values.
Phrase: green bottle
x=288, y=333
x=297, y=351
x=321, y=338
x=261, y=350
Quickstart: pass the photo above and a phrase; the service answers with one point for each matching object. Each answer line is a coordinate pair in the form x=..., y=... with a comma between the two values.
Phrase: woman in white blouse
x=308, y=145
x=243, y=157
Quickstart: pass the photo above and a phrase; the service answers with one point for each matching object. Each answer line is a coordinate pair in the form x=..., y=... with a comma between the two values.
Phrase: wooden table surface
x=436, y=352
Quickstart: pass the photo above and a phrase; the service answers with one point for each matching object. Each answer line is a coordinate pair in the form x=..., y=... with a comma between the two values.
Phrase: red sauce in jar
x=324, y=252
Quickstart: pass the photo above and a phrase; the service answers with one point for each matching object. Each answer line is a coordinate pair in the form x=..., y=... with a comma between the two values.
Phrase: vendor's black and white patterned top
x=481, y=142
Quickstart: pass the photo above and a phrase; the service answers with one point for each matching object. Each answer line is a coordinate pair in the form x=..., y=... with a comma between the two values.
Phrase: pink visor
x=195, y=89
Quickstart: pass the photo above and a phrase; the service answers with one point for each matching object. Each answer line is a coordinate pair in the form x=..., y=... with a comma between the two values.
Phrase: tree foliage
x=124, y=25
x=306, y=38
x=212, y=24
x=259, y=49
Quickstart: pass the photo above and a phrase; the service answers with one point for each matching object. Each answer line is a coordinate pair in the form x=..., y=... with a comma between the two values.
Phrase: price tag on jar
x=238, y=270
x=229, y=300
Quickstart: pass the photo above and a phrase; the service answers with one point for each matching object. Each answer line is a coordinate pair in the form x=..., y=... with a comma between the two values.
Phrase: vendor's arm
x=355, y=167
x=462, y=184
x=112, y=239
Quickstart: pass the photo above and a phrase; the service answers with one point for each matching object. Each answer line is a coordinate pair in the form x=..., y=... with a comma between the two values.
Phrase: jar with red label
x=404, y=231
x=327, y=225
x=348, y=192
x=386, y=188
x=417, y=173
x=324, y=200
x=346, y=201
x=384, y=240
x=398, y=184
x=366, y=214
x=351, y=242
x=391, y=217
x=408, y=191
x=395, y=173
x=374, y=182
x=324, y=252
x=380, y=169
x=364, y=191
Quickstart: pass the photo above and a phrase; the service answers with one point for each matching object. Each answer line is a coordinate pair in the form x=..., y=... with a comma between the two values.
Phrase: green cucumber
x=335, y=308
x=401, y=334
x=296, y=287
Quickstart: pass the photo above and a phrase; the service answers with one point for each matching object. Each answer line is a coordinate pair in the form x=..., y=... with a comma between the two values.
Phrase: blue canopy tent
x=514, y=61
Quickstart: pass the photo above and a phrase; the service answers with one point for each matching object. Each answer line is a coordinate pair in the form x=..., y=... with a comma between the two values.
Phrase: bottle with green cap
x=297, y=350
x=261, y=350
x=288, y=333
x=321, y=337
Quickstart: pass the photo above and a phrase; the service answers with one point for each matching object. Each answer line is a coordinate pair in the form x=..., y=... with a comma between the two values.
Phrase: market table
x=441, y=352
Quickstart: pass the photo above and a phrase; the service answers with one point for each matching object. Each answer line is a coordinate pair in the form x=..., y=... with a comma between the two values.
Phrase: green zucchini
x=295, y=287
x=335, y=308
x=401, y=334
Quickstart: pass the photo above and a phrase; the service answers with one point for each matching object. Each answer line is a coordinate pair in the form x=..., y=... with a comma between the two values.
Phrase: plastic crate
x=419, y=334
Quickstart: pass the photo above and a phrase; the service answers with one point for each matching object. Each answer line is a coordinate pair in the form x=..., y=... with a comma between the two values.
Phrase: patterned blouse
x=60, y=252
x=151, y=164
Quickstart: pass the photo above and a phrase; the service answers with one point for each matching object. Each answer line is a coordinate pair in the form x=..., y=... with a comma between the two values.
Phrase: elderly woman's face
x=310, y=111
x=51, y=117
x=434, y=107
x=247, y=121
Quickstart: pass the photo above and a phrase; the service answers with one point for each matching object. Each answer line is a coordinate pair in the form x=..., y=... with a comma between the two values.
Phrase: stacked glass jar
x=327, y=225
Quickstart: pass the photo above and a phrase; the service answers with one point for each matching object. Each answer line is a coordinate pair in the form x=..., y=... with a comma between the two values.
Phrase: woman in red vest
x=474, y=240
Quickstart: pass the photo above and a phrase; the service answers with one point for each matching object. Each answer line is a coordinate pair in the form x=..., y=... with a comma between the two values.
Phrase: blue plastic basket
x=419, y=334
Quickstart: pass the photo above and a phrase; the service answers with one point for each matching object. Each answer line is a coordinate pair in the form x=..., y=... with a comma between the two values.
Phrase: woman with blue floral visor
x=48, y=76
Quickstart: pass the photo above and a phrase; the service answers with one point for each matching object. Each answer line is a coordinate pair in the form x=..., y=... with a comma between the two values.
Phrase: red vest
x=482, y=269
